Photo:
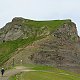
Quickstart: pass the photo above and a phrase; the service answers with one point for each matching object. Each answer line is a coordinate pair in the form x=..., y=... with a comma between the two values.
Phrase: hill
x=53, y=42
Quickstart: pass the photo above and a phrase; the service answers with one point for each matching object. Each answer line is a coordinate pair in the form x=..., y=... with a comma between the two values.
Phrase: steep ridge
x=53, y=42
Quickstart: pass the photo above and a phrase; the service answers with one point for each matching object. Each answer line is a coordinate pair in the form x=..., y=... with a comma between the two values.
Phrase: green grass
x=13, y=78
x=47, y=76
x=46, y=73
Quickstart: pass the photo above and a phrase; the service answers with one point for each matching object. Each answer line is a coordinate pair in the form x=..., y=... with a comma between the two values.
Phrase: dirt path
x=19, y=69
x=11, y=72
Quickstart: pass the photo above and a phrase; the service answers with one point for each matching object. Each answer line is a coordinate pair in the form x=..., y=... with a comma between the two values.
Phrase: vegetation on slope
x=51, y=24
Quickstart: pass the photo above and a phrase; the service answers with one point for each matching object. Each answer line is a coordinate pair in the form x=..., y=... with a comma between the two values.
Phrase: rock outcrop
x=61, y=48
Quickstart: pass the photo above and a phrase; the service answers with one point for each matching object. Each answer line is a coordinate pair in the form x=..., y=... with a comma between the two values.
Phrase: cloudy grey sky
x=40, y=10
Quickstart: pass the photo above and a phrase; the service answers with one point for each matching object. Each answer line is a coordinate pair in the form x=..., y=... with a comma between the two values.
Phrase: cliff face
x=59, y=44
x=61, y=48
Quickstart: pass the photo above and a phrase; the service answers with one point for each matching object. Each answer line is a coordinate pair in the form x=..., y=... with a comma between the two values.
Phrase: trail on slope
x=11, y=72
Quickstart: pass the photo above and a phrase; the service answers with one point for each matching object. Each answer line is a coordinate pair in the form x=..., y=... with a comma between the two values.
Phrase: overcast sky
x=40, y=10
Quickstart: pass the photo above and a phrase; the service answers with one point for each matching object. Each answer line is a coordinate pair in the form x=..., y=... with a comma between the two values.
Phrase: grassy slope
x=8, y=48
x=46, y=73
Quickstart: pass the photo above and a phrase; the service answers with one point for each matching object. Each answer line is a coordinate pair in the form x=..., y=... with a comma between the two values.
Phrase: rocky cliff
x=61, y=48
x=58, y=43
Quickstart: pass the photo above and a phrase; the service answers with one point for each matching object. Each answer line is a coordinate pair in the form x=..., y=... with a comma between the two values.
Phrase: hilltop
x=53, y=42
x=24, y=28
